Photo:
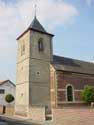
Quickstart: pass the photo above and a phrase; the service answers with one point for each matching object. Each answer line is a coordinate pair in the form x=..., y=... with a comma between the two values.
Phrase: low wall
x=76, y=104
x=1, y=109
x=37, y=114
x=9, y=110
x=21, y=110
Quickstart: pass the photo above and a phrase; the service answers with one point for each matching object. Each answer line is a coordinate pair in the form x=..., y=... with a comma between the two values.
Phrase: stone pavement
x=67, y=116
x=73, y=116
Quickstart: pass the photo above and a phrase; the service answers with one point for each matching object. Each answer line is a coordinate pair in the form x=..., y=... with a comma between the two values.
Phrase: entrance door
x=4, y=109
x=69, y=93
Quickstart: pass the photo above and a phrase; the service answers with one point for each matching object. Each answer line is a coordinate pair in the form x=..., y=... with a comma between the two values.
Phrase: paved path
x=67, y=116
x=77, y=116
x=12, y=121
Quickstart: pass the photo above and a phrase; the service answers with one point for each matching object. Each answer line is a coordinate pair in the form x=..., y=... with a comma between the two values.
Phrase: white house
x=6, y=87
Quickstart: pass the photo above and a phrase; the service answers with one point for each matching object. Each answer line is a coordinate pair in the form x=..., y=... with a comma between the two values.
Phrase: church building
x=46, y=81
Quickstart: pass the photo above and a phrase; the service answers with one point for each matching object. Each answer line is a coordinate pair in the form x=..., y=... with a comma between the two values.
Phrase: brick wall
x=77, y=80
x=61, y=95
x=78, y=96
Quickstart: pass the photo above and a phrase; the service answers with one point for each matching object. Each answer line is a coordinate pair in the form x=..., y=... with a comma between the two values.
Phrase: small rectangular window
x=2, y=91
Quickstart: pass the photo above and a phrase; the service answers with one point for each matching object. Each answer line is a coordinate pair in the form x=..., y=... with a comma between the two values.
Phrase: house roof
x=72, y=65
x=1, y=81
x=4, y=81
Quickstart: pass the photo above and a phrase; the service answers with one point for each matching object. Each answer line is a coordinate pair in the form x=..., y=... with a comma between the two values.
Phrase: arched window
x=23, y=48
x=69, y=90
x=40, y=45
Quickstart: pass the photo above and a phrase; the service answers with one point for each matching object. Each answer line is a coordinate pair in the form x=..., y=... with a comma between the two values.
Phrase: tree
x=9, y=98
x=87, y=94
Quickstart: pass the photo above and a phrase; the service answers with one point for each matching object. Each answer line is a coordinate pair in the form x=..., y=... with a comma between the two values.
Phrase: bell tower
x=33, y=69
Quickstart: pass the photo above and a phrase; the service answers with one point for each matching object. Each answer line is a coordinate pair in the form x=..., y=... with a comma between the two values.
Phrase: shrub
x=87, y=94
x=9, y=98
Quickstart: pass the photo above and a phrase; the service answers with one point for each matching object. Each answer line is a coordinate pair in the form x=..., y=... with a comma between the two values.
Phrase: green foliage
x=9, y=98
x=87, y=94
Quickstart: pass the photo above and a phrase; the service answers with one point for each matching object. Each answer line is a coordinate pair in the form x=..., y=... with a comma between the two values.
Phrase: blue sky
x=71, y=21
x=78, y=38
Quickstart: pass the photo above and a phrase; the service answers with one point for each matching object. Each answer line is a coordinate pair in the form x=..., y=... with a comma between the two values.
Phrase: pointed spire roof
x=36, y=25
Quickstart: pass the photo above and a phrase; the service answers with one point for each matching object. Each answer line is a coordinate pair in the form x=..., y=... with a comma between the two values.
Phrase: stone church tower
x=33, y=70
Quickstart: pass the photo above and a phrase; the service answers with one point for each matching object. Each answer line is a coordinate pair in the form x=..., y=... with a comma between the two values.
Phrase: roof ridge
x=74, y=59
x=7, y=81
x=72, y=65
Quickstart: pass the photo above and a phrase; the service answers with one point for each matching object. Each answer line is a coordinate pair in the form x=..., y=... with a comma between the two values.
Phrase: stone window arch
x=40, y=45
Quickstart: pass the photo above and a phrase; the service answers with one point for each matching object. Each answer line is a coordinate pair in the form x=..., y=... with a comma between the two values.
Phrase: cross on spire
x=35, y=9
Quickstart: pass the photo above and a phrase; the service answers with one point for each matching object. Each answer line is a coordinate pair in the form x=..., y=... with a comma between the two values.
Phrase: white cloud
x=14, y=18
x=51, y=11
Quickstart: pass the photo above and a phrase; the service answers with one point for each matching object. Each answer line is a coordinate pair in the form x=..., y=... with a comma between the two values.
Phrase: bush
x=87, y=94
x=9, y=98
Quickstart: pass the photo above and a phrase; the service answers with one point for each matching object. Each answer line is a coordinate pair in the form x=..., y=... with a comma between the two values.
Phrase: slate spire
x=36, y=25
